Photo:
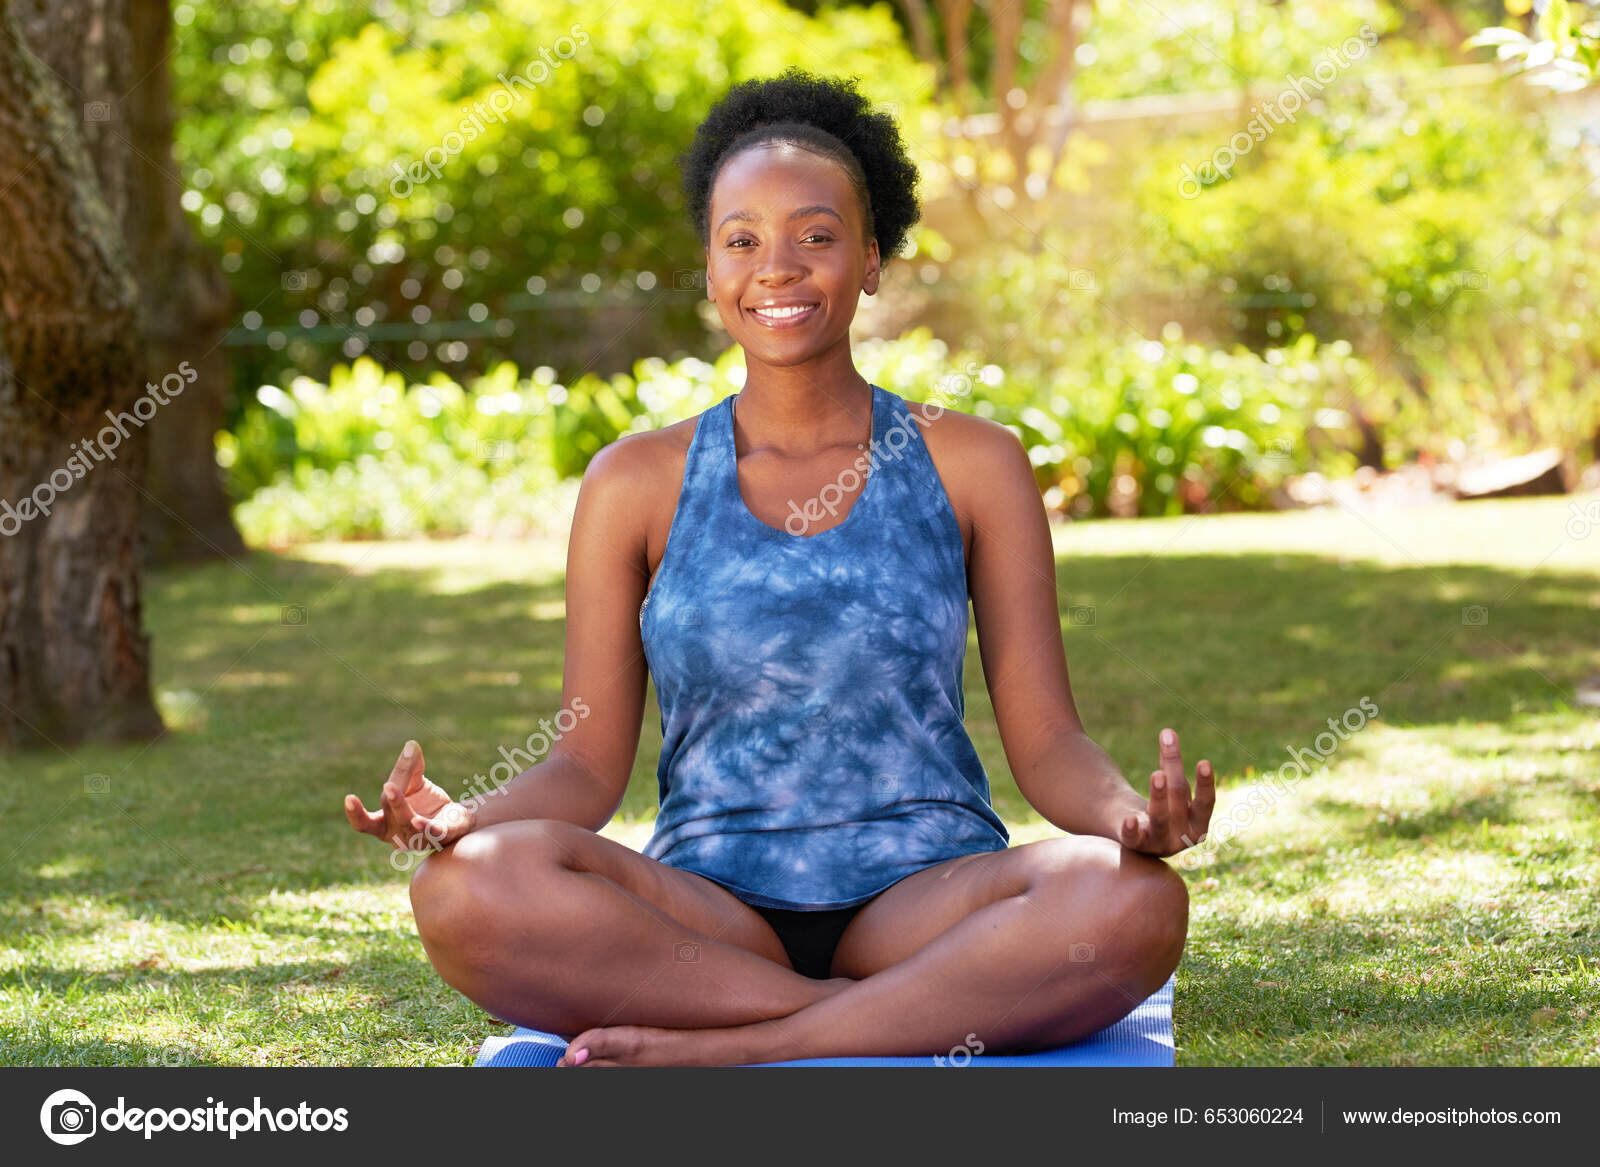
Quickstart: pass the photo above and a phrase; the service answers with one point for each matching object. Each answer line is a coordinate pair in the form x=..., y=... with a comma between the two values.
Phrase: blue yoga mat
x=1142, y=1038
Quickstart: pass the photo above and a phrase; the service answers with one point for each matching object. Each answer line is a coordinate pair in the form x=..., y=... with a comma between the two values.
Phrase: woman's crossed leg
x=549, y=925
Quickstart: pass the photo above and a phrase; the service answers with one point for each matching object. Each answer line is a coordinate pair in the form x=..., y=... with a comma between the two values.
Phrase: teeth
x=782, y=313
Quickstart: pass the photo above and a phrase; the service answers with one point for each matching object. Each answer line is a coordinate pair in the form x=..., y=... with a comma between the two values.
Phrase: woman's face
x=787, y=259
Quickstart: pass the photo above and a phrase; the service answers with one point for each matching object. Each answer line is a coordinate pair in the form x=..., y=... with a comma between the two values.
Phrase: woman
x=793, y=566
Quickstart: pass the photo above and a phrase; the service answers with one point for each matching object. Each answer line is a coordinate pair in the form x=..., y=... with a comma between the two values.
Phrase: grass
x=1426, y=895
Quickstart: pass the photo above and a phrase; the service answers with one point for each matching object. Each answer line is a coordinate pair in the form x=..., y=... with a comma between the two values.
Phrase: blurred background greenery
x=1400, y=268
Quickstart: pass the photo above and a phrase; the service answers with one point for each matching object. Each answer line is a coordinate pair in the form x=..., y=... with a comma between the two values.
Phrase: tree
x=74, y=659
x=187, y=516
x=1023, y=145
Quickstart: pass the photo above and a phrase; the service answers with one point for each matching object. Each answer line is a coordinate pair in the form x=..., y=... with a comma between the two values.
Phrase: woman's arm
x=1011, y=576
x=585, y=776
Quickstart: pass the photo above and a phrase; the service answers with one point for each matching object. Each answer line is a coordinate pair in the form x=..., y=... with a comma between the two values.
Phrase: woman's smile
x=784, y=314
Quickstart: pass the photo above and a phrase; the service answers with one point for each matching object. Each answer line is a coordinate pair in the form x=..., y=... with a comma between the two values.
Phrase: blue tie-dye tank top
x=813, y=750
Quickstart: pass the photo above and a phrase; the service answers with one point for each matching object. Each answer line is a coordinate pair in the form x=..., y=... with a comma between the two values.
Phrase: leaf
x=1559, y=82
x=1541, y=54
x=1556, y=22
x=1496, y=36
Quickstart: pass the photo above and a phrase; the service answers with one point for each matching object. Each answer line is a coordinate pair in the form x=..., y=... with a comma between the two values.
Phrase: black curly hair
x=824, y=115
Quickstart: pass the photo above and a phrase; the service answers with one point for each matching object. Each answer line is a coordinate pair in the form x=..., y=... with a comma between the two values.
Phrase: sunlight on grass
x=1425, y=894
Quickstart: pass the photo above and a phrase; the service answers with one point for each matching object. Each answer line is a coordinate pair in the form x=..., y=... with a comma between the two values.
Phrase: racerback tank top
x=813, y=748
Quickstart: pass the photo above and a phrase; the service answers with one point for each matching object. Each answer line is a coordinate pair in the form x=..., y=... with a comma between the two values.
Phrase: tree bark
x=187, y=515
x=74, y=660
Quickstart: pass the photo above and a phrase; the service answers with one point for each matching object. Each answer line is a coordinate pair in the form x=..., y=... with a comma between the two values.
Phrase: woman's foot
x=649, y=1045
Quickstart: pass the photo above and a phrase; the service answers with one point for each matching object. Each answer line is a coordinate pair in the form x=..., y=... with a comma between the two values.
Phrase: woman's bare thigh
x=911, y=913
x=518, y=849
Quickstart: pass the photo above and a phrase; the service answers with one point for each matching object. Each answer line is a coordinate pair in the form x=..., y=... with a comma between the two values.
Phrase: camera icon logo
x=97, y=111
x=1584, y=519
x=1279, y=451
x=685, y=281
x=1081, y=615
x=1475, y=615
x=293, y=616
x=686, y=951
x=68, y=1117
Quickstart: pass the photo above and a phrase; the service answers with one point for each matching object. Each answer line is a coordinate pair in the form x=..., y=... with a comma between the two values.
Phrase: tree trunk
x=187, y=516
x=74, y=660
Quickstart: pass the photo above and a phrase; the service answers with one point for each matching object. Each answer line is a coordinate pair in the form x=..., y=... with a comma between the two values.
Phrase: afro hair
x=825, y=115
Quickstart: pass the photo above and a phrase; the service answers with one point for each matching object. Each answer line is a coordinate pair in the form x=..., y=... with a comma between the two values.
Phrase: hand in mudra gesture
x=410, y=805
x=1173, y=821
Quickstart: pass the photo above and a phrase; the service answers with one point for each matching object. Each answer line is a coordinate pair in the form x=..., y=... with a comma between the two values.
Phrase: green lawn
x=1426, y=895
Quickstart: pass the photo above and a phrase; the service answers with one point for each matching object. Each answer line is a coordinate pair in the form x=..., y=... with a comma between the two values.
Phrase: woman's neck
x=798, y=410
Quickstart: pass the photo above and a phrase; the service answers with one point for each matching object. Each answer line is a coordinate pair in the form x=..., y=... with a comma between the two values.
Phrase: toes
x=616, y=1046
x=600, y=1047
x=584, y=1044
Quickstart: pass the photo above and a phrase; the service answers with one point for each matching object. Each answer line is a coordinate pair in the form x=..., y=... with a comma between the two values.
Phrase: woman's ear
x=869, y=280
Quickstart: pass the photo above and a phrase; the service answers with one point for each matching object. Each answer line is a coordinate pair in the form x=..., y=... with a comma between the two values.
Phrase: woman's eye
x=820, y=238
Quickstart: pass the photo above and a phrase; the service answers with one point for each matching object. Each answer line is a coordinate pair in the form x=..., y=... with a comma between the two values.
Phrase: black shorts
x=810, y=937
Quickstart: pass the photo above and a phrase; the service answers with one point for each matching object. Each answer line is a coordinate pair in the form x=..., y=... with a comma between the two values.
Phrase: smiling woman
x=827, y=876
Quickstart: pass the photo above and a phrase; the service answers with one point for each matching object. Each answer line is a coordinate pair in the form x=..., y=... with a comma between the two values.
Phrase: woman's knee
x=460, y=892
x=1153, y=914
x=1140, y=912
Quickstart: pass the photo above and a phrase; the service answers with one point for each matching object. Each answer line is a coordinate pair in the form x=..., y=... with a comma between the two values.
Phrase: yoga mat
x=1142, y=1038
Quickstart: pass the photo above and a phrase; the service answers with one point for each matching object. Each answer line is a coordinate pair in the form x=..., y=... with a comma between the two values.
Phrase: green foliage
x=301, y=163
x=1565, y=56
x=1138, y=426
x=366, y=456
x=1137, y=51
x=1451, y=238
x=1134, y=427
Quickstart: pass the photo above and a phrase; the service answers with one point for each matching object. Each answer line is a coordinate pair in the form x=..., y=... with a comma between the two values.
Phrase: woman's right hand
x=411, y=806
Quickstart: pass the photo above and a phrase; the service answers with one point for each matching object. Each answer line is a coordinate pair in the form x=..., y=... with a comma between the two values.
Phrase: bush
x=1133, y=427
x=1140, y=426
x=1450, y=236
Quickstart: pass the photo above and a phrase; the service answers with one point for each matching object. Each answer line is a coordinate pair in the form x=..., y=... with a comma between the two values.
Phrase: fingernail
x=580, y=1057
x=1158, y=781
x=410, y=751
x=1168, y=737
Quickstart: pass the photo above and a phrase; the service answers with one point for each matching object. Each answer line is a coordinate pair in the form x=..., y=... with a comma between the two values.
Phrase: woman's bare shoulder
x=634, y=484
x=963, y=444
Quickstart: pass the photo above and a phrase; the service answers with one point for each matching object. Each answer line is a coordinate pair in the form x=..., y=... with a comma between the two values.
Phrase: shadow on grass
x=1358, y=988
x=291, y=682
x=389, y=995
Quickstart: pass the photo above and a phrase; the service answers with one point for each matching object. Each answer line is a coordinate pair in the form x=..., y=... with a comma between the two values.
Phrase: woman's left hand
x=1173, y=821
